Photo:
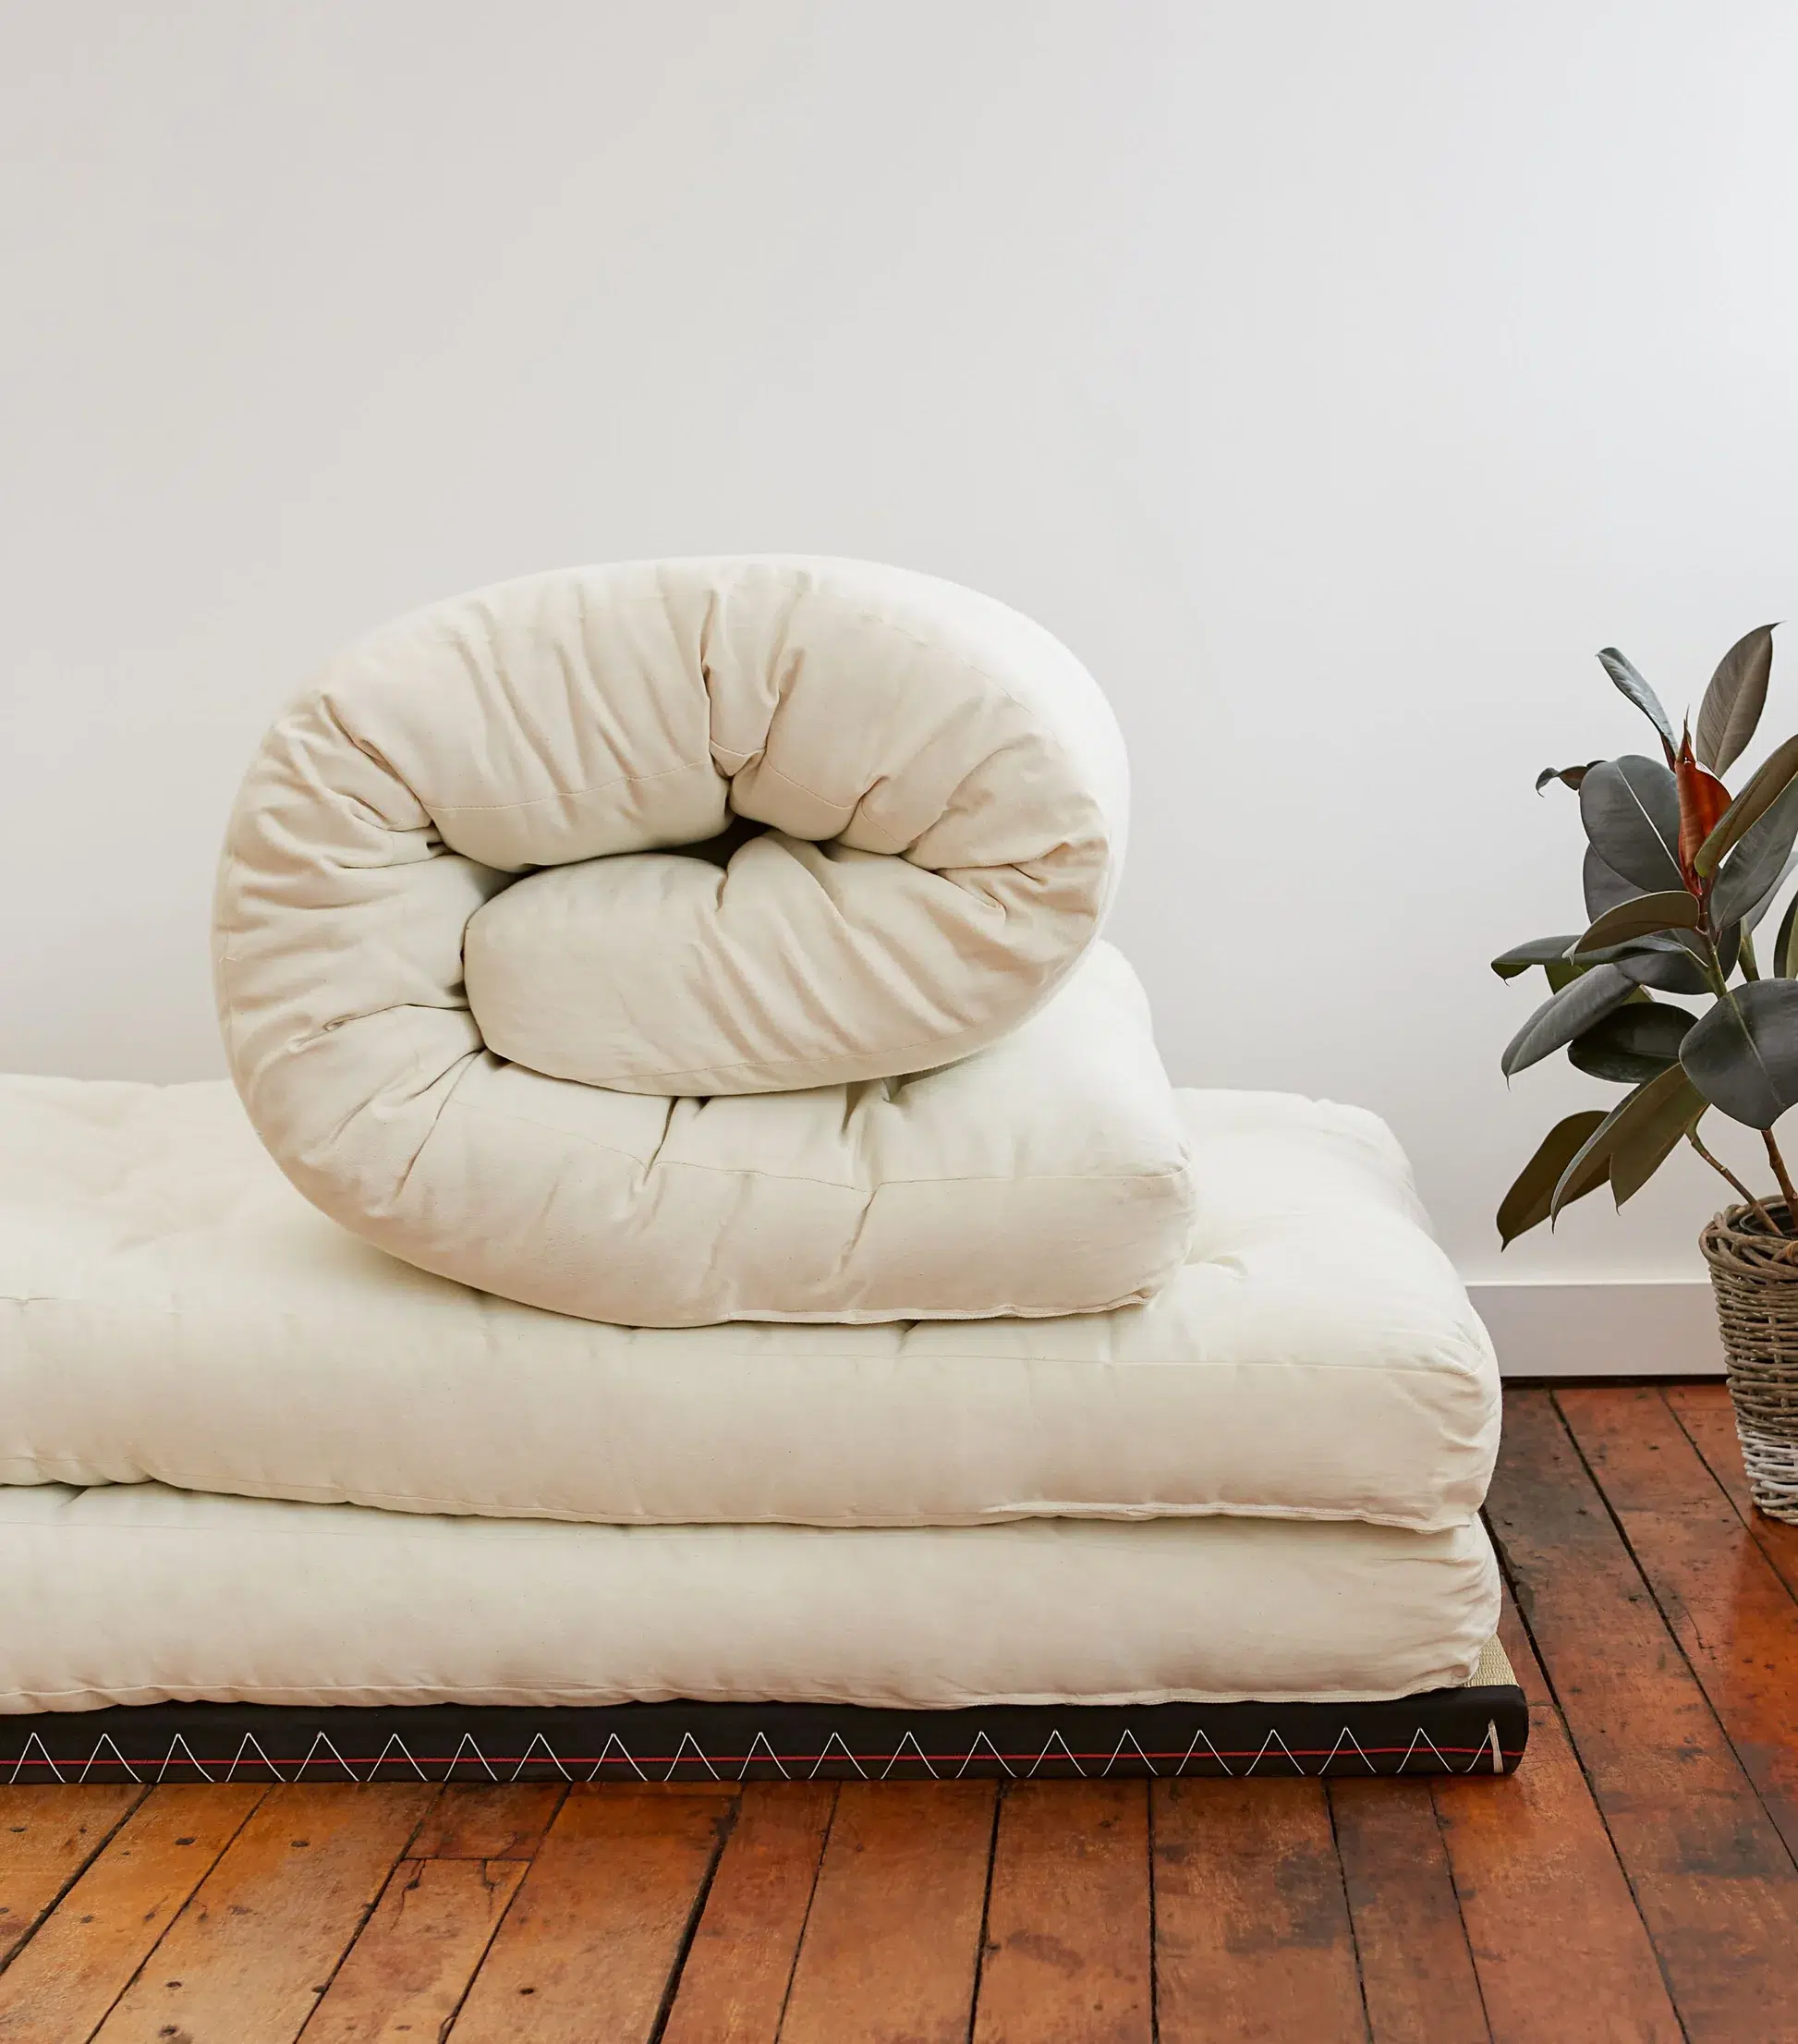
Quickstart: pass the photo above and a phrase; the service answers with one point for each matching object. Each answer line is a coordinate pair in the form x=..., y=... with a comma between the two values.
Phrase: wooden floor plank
x=1067, y=1958
x=893, y=1941
x=735, y=1983
x=595, y=1935
x=1652, y=1850
x=1708, y=1420
x=47, y=1835
x=86, y=1954
x=504, y=1821
x=1252, y=1936
x=1704, y=1410
x=1416, y=1970
x=407, y=1973
x=1559, y=1946
x=1736, y=1621
x=247, y=1960
x=1711, y=1875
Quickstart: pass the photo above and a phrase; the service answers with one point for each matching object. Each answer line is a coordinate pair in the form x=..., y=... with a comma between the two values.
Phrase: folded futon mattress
x=172, y=1312
x=141, y=1594
x=249, y=1460
x=702, y=940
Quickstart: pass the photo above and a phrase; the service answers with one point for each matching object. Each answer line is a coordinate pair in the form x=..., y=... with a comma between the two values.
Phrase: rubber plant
x=1664, y=991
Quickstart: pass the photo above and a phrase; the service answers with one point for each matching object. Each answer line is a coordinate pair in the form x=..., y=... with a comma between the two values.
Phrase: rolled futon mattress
x=171, y=1311
x=702, y=940
x=139, y=1594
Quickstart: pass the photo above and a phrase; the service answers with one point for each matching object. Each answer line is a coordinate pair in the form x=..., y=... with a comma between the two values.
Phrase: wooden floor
x=1636, y=1881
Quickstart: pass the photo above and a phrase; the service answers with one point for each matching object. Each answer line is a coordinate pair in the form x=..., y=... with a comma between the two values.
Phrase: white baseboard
x=1651, y=1327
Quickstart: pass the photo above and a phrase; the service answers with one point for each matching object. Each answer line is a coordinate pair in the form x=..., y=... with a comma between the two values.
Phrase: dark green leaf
x=1631, y=810
x=1526, y=1203
x=1590, y=1166
x=1671, y=969
x=1765, y=784
x=1637, y=948
x=1784, y=963
x=1733, y=703
x=1632, y=1043
x=1641, y=916
x=1665, y=1109
x=1657, y=943
x=1638, y=691
x=1603, y=888
x=1755, y=869
x=1569, y=776
x=1634, y=1114
x=1538, y=951
x=1752, y=920
x=1566, y=1015
x=1742, y=1056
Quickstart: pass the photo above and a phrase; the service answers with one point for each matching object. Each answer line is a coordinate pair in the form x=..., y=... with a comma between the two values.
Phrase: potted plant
x=1666, y=993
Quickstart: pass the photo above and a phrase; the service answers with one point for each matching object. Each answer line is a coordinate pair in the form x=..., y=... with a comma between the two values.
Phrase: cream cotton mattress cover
x=171, y=1311
x=143, y=1595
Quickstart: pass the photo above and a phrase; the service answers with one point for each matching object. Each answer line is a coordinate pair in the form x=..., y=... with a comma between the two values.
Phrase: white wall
x=1333, y=379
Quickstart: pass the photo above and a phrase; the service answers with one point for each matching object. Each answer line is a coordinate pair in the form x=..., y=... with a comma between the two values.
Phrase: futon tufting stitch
x=484, y=1012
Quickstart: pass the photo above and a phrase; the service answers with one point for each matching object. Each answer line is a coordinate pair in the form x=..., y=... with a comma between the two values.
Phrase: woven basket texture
x=1755, y=1277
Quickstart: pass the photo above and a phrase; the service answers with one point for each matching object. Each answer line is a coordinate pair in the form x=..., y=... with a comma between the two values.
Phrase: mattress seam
x=1135, y=1514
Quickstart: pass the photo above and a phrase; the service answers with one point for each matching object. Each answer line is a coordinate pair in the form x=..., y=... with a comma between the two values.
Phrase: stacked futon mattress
x=701, y=1270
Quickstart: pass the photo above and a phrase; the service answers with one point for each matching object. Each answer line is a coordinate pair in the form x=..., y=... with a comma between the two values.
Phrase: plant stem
x=1788, y=1192
x=1750, y=963
x=1717, y=1165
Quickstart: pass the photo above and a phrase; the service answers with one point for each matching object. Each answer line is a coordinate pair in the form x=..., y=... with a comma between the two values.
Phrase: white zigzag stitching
x=405, y=1755
x=1442, y=1766
x=918, y=1754
x=835, y=1739
x=680, y=1754
x=24, y=1759
x=613, y=1739
x=1346, y=1734
x=1128, y=1739
x=319, y=1739
x=760, y=1740
x=997, y=1758
x=548, y=1754
x=480, y=1760
x=118, y=1759
x=1273, y=1739
x=250, y=1739
x=168, y=1758
x=1055, y=1739
x=106, y=1753
x=1203, y=1738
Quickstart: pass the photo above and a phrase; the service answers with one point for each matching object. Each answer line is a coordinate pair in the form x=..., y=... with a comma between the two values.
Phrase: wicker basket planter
x=1756, y=1286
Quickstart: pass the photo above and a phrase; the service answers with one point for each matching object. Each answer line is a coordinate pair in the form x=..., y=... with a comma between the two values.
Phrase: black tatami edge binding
x=1470, y=1730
